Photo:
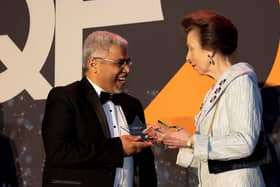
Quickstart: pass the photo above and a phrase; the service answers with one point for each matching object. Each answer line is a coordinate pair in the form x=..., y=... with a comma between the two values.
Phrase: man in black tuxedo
x=86, y=136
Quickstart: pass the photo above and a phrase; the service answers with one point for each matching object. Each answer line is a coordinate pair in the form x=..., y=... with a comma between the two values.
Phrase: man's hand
x=132, y=144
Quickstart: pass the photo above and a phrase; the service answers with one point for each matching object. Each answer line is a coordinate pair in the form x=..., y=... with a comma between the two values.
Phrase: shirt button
x=114, y=126
x=110, y=110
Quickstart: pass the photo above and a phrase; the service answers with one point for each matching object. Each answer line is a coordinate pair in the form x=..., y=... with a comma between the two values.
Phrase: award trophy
x=136, y=128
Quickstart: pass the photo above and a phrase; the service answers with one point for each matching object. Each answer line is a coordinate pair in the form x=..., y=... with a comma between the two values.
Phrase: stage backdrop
x=41, y=47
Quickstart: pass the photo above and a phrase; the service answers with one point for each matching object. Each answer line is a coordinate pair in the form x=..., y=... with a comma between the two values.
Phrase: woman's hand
x=176, y=139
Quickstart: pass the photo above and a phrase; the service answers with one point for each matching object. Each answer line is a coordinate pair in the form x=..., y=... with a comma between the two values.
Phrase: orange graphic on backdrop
x=179, y=101
x=274, y=76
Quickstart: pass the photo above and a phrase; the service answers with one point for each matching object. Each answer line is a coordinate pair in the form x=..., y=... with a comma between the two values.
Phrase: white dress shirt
x=118, y=126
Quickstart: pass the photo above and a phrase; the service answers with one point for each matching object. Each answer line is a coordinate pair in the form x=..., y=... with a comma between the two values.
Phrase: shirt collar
x=97, y=88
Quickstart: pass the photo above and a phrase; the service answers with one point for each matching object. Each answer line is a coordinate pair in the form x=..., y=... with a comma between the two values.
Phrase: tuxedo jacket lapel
x=93, y=99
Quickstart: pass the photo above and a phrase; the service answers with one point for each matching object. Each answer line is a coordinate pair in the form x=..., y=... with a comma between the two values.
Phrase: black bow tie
x=105, y=96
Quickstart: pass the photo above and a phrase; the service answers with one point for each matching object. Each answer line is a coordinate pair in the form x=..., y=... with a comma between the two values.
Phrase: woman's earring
x=211, y=61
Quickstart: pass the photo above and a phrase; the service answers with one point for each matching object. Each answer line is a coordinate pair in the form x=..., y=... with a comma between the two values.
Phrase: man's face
x=111, y=75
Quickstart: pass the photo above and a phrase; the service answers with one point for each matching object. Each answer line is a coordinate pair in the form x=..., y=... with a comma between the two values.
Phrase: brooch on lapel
x=216, y=92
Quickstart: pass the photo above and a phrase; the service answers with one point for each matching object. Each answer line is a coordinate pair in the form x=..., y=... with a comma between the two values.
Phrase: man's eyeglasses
x=120, y=62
